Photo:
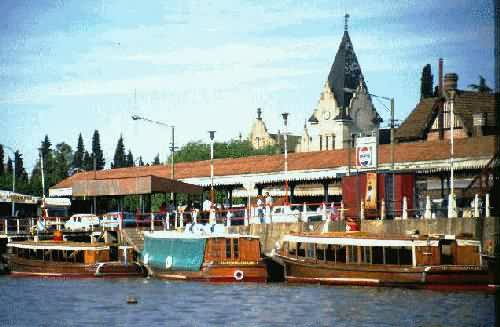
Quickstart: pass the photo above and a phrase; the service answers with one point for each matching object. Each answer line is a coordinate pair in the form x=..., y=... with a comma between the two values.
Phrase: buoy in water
x=131, y=300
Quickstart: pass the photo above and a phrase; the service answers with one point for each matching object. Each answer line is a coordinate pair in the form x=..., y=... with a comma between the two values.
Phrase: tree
x=20, y=171
x=481, y=87
x=63, y=155
x=141, y=163
x=9, y=166
x=88, y=161
x=79, y=154
x=2, y=168
x=194, y=151
x=130, y=159
x=426, y=82
x=97, y=152
x=45, y=147
x=156, y=160
x=119, y=159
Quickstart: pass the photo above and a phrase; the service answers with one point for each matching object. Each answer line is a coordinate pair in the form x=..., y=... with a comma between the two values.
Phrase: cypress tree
x=97, y=152
x=9, y=166
x=141, y=163
x=119, y=159
x=45, y=147
x=156, y=160
x=88, y=161
x=426, y=82
x=2, y=167
x=79, y=154
x=20, y=171
x=130, y=159
x=62, y=159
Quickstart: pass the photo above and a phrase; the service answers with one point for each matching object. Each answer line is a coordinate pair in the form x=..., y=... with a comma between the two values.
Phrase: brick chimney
x=440, y=78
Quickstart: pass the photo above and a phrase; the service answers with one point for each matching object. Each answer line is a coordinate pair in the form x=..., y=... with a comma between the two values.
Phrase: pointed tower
x=332, y=115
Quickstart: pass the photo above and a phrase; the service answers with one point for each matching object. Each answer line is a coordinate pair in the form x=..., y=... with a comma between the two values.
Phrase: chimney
x=450, y=82
x=478, y=123
x=440, y=77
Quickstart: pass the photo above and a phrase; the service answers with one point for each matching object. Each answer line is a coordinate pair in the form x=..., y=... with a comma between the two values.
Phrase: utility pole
x=212, y=195
x=285, y=121
x=13, y=209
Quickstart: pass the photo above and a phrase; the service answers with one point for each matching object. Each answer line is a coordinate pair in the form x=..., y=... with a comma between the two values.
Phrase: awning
x=132, y=186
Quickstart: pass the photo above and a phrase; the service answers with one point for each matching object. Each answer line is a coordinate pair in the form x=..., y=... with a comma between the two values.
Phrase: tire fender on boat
x=238, y=275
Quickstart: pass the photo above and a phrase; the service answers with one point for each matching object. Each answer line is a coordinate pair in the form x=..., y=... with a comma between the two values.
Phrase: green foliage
x=97, y=151
x=119, y=159
x=79, y=154
x=481, y=87
x=2, y=167
x=195, y=151
x=426, y=82
x=141, y=163
x=130, y=159
x=156, y=160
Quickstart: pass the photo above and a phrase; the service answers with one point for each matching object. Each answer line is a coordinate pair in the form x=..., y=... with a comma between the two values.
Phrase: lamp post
x=212, y=136
x=450, y=81
x=285, y=122
x=172, y=147
x=13, y=179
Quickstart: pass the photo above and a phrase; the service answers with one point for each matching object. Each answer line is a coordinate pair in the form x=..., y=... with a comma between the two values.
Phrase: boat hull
x=219, y=273
x=25, y=267
x=300, y=271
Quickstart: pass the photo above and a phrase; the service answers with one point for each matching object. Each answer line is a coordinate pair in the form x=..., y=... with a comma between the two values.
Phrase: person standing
x=260, y=208
x=269, y=205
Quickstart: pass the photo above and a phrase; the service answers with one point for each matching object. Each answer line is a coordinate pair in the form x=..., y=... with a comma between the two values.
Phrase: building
x=261, y=138
x=344, y=109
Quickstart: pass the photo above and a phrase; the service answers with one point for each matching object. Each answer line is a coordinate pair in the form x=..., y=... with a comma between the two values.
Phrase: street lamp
x=172, y=145
x=13, y=179
x=212, y=136
x=285, y=121
x=450, y=81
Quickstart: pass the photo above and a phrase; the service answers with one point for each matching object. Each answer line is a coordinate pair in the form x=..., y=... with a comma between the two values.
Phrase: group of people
x=264, y=202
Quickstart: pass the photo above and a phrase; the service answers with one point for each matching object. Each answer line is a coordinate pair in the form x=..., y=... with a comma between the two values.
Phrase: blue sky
x=73, y=66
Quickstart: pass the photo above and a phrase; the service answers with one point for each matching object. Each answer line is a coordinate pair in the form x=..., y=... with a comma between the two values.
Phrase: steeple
x=345, y=72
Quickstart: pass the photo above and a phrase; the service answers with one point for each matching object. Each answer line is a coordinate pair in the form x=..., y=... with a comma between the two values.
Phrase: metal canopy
x=132, y=186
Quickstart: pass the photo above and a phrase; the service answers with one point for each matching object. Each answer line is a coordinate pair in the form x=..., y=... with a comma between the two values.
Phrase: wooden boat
x=213, y=257
x=361, y=259
x=71, y=259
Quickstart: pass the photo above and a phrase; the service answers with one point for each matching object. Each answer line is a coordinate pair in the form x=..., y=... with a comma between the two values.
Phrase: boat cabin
x=361, y=248
x=69, y=252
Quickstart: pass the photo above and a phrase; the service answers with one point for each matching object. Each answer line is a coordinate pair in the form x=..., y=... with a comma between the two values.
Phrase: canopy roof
x=131, y=186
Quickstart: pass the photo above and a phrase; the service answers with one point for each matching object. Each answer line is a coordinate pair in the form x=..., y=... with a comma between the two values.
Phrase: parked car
x=112, y=219
x=82, y=222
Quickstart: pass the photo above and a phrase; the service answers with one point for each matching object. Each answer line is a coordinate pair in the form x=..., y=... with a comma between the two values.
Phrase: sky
x=70, y=67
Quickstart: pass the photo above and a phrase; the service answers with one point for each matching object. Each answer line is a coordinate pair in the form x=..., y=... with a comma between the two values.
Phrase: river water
x=102, y=302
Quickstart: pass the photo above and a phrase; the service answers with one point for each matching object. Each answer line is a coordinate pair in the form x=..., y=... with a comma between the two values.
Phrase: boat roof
x=367, y=239
x=55, y=245
x=180, y=235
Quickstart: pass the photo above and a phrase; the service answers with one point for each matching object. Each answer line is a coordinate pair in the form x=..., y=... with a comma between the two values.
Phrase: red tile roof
x=474, y=147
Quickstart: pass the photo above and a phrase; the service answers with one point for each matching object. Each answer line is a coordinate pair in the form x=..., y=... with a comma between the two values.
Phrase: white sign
x=366, y=152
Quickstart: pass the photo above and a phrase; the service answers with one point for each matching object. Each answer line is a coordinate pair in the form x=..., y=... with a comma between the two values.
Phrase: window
x=228, y=248
x=320, y=142
x=235, y=248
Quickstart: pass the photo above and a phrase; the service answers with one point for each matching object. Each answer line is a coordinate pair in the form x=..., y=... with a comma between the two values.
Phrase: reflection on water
x=56, y=302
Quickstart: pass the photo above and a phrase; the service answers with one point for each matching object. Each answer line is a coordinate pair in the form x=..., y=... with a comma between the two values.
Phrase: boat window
x=301, y=252
x=398, y=255
x=236, y=248
x=377, y=255
x=79, y=256
x=309, y=247
x=340, y=253
x=320, y=251
x=292, y=248
x=228, y=248
x=353, y=253
x=366, y=254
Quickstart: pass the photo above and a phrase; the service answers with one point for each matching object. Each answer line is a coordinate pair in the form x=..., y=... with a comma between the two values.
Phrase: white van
x=82, y=222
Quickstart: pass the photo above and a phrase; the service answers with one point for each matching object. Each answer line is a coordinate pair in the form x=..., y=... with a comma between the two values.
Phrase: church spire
x=346, y=22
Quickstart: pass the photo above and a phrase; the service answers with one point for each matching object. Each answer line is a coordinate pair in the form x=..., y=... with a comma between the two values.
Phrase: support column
x=292, y=191
x=325, y=191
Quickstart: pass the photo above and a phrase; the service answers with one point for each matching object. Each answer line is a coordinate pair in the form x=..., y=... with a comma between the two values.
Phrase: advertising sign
x=366, y=152
x=371, y=191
